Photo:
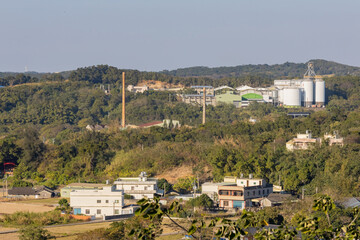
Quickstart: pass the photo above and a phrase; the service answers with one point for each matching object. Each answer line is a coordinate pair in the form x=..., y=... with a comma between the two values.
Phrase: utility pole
x=279, y=180
x=6, y=187
x=204, y=104
x=123, y=100
x=303, y=193
x=198, y=183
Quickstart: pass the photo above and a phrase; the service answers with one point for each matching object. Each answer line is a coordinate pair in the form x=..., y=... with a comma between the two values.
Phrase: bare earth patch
x=176, y=173
x=12, y=207
x=158, y=84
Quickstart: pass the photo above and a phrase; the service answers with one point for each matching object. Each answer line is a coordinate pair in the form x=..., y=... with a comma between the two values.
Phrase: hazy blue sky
x=152, y=35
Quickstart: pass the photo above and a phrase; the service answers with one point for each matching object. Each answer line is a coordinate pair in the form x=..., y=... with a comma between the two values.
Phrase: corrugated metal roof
x=150, y=124
x=86, y=185
x=202, y=87
x=351, y=203
x=197, y=95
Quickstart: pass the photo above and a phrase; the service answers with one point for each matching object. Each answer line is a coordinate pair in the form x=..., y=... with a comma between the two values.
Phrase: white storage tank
x=308, y=86
x=292, y=96
x=275, y=96
x=281, y=96
x=320, y=92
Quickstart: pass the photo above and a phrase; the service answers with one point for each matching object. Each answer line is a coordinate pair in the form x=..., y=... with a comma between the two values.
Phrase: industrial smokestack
x=123, y=100
x=204, y=104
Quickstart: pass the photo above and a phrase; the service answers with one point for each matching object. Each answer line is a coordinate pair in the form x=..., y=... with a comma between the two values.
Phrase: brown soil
x=180, y=172
x=158, y=84
x=12, y=207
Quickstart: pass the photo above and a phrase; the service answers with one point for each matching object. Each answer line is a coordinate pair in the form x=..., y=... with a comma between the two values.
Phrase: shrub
x=31, y=218
x=201, y=201
x=21, y=183
x=34, y=233
x=127, y=196
x=184, y=185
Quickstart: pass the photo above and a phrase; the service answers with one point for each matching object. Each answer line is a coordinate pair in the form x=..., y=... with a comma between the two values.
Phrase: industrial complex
x=306, y=92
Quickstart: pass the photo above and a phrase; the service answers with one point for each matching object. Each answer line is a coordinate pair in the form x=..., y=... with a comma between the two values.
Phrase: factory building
x=307, y=92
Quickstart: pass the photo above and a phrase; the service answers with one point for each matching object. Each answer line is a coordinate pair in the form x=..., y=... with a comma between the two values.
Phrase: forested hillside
x=43, y=131
x=253, y=75
x=288, y=70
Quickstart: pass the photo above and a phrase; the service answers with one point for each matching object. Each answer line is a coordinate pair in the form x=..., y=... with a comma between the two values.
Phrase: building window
x=226, y=203
x=116, y=201
x=253, y=193
x=87, y=211
x=223, y=192
x=98, y=211
x=267, y=191
x=242, y=182
x=238, y=193
x=259, y=192
x=98, y=201
x=132, y=188
x=145, y=188
x=116, y=211
x=106, y=201
x=248, y=193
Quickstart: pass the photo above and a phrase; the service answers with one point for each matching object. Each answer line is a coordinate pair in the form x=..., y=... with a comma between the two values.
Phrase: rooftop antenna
x=26, y=69
x=310, y=73
x=123, y=100
x=204, y=105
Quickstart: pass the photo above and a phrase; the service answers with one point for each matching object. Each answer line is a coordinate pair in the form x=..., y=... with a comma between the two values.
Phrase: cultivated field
x=12, y=207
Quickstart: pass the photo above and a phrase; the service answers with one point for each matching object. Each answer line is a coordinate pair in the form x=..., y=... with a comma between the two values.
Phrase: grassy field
x=171, y=237
x=70, y=232
x=66, y=232
x=44, y=201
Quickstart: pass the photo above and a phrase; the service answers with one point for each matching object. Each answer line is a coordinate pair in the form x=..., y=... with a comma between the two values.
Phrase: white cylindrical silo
x=292, y=96
x=308, y=86
x=320, y=92
x=275, y=96
x=281, y=96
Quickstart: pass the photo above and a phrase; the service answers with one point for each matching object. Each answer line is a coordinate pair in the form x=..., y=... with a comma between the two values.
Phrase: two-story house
x=97, y=202
x=243, y=193
x=302, y=142
x=139, y=187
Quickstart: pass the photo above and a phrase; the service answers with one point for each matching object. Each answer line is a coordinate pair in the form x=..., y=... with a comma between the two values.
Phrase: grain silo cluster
x=307, y=92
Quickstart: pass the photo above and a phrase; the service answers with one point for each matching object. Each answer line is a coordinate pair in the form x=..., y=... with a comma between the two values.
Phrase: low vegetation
x=318, y=223
x=32, y=218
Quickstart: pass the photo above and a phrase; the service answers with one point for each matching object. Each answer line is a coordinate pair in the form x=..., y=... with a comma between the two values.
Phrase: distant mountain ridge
x=288, y=69
x=285, y=70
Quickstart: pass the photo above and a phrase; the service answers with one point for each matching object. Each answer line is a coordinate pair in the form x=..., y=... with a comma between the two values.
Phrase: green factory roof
x=251, y=96
x=227, y=97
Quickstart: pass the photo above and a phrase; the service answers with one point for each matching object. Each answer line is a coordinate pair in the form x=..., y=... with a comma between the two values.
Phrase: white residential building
x=237, y=192
x=334, y=139
x=137, y=89
x=302, y=142
x=139, y=187
x=98, y=202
